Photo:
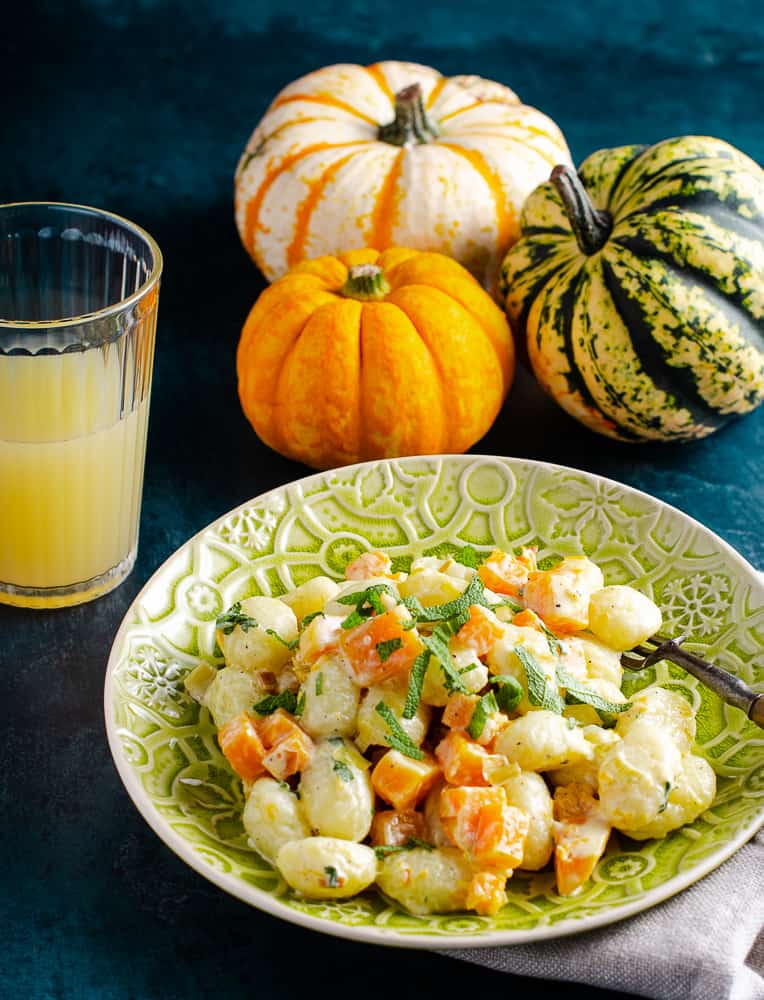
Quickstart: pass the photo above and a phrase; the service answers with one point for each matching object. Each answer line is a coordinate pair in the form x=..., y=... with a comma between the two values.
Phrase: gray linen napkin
x=700, y=945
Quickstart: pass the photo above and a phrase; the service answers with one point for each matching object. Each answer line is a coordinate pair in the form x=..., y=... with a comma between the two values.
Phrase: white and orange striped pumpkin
x=392, y=154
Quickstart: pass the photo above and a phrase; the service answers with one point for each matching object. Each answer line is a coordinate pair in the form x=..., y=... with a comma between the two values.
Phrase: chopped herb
x=342, y=770
x=549, y=562
x=437, y=644
x=353, y=619
x=274, y=633
x=505, y=602
x=540, y=692
x=483, y=709
x=554, y=643
x=228, y=621
x=406, y=626
x=397, y=737
x=578, y=694
x=468, y=557
x=383, y=850
x=666, y=792
x=386, y=648
x=336, y=741
x=416, y=682
x=286, y=700
x=474, y=594
x=401, y=564
x=285, y=786
x=509, y=692
x=366, y=602
x=415, y=607
x=309, y=618
x=318, y=684
x=332, y=879
x=300, y=706
x=371, y=596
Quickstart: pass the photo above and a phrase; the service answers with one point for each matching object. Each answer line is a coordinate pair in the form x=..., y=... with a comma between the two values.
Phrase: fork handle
x=729, y=688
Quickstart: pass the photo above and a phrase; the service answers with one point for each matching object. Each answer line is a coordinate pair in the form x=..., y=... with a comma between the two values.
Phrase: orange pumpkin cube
x=458, y=711
x=482, y=823
x=242, y=746
x=289, y=755
x=276, y=726
x=397, y=826
x=504, y=573
x=486, y=893
x=561, y=595
x=479, y=632
x=381, y=648
x=465, y=762
x=369, y=565
x=581, y=834
x=528, y=619
x=274, y=744
x=402, y=781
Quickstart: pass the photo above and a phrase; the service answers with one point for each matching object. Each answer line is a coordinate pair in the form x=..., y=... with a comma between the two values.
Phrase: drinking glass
x=79, y=289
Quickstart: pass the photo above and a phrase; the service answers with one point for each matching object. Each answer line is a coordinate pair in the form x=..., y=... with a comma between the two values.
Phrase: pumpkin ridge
x=328, y=99
x=256, y=203
x=565, y=308
x=506, y=221
x=380, y=234
x=676, y=382
x=436, y=91
x=528, y=149
x=484, y=128
x=273, y=430
x=615, y=182
x=296, y=249
x=438, y=368
x=381, y=81
x=749, y=327
x=475, y=319
x=620, y=389
x=533, y=293
x=648, y=180
x=708, y=204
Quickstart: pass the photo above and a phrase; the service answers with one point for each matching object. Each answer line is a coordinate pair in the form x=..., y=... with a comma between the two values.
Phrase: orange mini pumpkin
x=371, y=355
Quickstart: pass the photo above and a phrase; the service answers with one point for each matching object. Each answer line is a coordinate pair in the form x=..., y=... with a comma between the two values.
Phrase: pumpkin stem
x=411, y=124
x=365, y=282
x=590, y=226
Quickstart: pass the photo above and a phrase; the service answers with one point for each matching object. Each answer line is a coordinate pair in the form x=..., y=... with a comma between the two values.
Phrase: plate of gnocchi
x=388, y=702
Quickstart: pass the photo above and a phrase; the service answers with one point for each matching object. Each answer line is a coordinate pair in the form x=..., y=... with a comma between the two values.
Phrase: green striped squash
x=638, y=285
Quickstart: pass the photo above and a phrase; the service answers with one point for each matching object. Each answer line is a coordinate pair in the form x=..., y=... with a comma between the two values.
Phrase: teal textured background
x=143, y=108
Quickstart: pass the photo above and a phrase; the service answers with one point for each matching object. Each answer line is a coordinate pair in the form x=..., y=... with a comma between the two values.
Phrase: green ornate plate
x=164, y=745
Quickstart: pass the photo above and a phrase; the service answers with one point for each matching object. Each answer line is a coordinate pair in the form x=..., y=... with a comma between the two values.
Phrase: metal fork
x=728, y=687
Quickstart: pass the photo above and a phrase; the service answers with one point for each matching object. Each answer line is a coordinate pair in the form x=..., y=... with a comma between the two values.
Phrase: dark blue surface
x=144, y=109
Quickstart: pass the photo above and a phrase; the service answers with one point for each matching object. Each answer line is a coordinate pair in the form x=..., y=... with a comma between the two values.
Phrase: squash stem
x=365, y=282
x=590, y=226
x=411, y=125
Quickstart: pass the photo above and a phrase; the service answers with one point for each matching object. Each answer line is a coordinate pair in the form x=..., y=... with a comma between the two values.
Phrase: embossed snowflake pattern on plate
x=165, y=746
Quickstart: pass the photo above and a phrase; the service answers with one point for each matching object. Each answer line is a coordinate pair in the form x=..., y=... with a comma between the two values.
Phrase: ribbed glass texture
x=78, y=305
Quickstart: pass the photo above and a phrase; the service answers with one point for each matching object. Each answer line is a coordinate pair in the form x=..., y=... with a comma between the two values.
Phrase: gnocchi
x=272, y=817
x=430, y=731
x=327, y=868
x=336, y=791
x=260, y=639
x=330, y=699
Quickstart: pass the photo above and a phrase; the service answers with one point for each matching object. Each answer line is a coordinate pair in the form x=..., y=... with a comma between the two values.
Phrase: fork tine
x=643, y=650
x=632, y=662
